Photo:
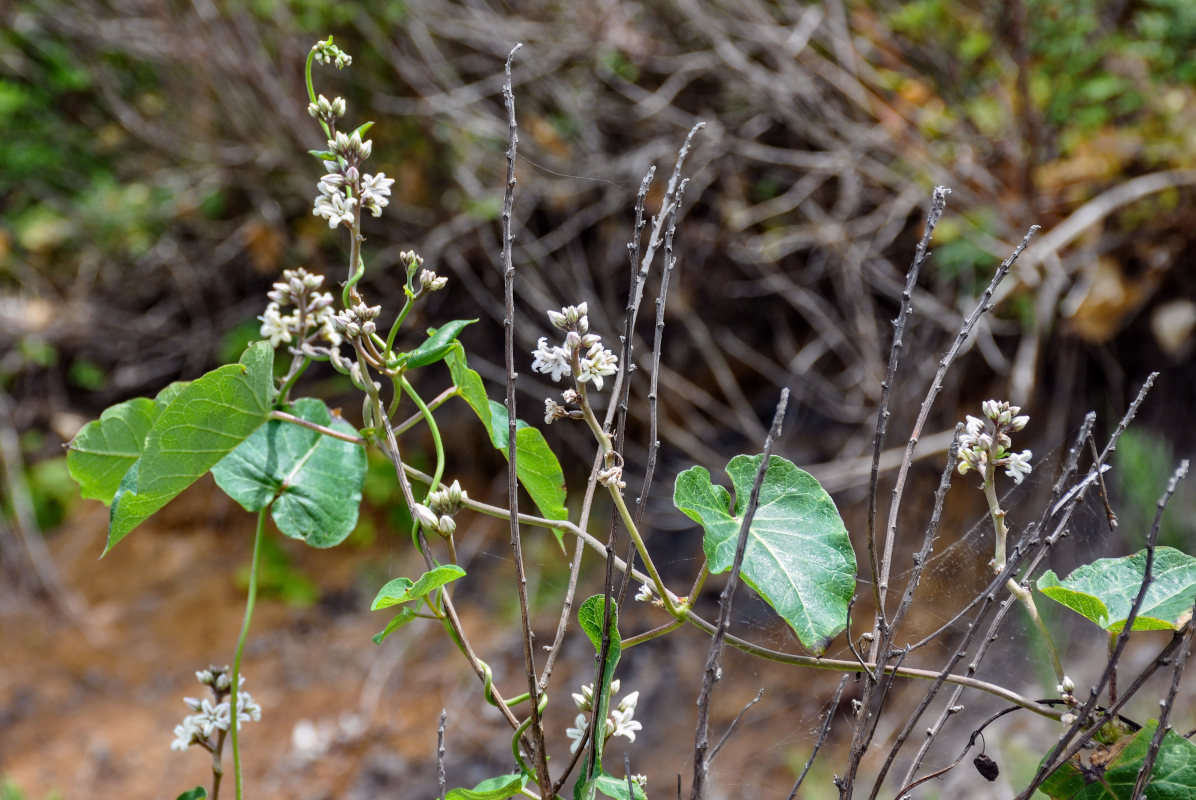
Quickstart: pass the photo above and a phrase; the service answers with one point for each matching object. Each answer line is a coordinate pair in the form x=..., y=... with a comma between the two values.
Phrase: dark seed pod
x=986, y=767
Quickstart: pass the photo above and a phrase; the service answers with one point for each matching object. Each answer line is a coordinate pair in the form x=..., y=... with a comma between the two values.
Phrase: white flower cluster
x=986, y=442
x=582, y=355
x=311, y=315
x=213, y=717
x=619, y=722
x=344, y=187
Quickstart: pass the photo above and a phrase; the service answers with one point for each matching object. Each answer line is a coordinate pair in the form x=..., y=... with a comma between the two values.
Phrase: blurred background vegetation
x=154, y=180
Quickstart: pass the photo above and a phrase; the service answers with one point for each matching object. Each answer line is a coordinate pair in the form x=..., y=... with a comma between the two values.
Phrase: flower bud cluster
x=449, y=500
x=986, y=442
x=358, y=320
x=582, y=355
x=328, y=53
x=619, y=722
x=213, y=716
x=327, y=110
x=312, y=314
x=429, y=281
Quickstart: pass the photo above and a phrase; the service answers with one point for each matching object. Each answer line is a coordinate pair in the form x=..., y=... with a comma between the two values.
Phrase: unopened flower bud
x=424, y=516
x=572, y=340
x=447, y=526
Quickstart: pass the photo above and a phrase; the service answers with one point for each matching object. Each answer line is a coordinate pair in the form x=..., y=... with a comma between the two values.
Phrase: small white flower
x=646, y=594
x=247, y=709
x=553, y=361
x=577, y=732
x=597, y=363
x=1017, y=465
x=184, y=735
x=277, y=329
x=624, y=724
x=334, y=207
x=375, y=189
x=991, y=409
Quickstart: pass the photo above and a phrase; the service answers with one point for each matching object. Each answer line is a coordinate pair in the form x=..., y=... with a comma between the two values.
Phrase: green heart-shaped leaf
x=1173, y=776
x=104, y=449
x=204, y=422
x=314, y=481
x=799, y=556
x=1104, y=590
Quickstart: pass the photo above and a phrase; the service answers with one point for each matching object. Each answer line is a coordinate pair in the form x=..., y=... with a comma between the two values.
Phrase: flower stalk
x=985, y=446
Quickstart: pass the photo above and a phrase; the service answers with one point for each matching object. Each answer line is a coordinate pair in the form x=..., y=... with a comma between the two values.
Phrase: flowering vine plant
x=778, y=531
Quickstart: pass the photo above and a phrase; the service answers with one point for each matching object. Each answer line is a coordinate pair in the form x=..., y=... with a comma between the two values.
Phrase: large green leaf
x=590, y=617
x=314, y=481
x=439, y=343
x=1173, y=776
x=104, y=449
x=536, y=465
x=202, y=424
x=499, y=788
x=1104, y=590
x=799, y=556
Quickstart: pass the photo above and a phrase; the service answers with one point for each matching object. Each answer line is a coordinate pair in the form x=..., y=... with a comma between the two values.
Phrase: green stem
x=435, y=430
x=648, y=636
x=311, y=89
x=523, y=726
x=998, y=517
x=608, y=454
x=1027, y=599
x=354, y=258
x=236, y=676
x=299, y=366
x=394, y=329
x=1023, y=594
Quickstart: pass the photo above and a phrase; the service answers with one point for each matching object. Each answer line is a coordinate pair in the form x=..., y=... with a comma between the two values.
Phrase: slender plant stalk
x=234, y=689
